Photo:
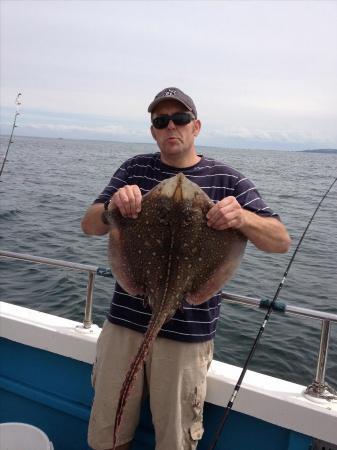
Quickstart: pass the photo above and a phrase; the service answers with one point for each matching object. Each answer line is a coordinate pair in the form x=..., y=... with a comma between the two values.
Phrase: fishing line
x=264, y=323
x=18, y=103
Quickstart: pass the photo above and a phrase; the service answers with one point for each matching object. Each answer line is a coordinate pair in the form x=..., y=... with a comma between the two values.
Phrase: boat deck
x=47, y=384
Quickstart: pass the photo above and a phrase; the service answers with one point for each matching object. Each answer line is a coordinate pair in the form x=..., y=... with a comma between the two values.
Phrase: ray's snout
x=179, y=188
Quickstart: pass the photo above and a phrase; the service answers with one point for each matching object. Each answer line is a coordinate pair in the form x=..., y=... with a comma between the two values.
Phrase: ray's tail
x=153, y=329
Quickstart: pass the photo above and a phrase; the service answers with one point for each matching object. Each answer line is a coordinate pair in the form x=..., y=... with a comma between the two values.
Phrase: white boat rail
x=318, y=389
x=92, y=270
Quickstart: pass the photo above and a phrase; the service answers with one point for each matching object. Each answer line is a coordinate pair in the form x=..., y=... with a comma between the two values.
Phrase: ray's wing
x=138, y=249
x=219, y=255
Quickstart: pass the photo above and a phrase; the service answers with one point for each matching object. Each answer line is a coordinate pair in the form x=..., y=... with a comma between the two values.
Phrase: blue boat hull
x=54, y=393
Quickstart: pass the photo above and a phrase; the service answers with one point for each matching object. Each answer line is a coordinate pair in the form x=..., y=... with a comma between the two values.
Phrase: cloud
x=111, y=131
x=256, y=70
x=265, y=135
x=108, y=129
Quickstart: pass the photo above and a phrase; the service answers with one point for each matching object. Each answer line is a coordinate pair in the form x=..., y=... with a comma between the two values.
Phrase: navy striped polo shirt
x=190, y=323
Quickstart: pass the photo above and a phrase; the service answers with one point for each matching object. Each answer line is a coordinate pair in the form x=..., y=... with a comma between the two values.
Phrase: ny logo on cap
x=170, y=93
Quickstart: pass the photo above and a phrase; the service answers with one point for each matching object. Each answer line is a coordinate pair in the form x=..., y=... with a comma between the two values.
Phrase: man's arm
x=128, y=200
x=266, y=233
x=92, y=222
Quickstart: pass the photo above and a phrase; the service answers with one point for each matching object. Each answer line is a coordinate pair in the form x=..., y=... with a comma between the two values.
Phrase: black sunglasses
x=180, y=118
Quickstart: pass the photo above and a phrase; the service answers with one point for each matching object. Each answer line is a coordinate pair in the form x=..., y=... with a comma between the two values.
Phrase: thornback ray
x=168, y=254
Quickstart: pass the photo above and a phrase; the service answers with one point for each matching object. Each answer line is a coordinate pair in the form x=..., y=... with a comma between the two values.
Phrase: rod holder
x=319, y=389
x=87, y=321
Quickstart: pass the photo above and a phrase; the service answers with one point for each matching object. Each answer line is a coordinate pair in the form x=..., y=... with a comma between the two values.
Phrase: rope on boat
x=264, y=323
x=276, y=306
x=104, y=272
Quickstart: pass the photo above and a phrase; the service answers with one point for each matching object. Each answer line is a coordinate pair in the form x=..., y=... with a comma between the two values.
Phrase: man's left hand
x=227, y=213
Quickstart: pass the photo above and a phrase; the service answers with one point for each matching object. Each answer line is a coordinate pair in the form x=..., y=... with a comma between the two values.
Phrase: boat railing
x=319, y=389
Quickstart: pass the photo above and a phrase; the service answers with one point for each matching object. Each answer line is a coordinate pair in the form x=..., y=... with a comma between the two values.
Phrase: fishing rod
x=18, y=103
x=264, y=323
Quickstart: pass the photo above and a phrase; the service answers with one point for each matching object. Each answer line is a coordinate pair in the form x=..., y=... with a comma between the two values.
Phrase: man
x=176, y=368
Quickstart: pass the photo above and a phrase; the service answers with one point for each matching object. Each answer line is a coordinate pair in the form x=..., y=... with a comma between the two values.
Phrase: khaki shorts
x=175, y=377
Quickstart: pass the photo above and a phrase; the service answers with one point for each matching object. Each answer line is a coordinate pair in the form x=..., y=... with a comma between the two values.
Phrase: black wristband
x=106, y=204
x=105, y=212
x=104, y=218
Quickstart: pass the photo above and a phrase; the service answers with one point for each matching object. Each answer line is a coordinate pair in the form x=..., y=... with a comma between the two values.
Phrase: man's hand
x=227, y=213
x=266, y=233
x=128, y=200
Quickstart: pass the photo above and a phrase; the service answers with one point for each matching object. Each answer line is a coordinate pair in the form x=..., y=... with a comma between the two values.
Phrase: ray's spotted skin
x=168, y=254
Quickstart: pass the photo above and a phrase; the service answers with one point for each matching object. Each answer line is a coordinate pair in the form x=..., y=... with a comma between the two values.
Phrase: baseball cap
x=173, y=93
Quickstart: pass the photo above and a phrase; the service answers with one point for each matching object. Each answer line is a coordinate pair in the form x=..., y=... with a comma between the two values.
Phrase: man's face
x=175, y=141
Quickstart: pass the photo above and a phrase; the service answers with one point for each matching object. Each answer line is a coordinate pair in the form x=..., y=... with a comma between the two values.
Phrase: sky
x=263, y=74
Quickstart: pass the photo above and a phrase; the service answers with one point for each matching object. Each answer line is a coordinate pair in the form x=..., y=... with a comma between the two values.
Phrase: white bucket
x=21, y=436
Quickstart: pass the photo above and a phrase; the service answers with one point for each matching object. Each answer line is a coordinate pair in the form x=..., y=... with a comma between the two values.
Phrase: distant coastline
x=225, y=146
x=322, y=150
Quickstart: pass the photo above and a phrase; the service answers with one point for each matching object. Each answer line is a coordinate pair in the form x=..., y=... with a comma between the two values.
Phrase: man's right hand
x=128, y=200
